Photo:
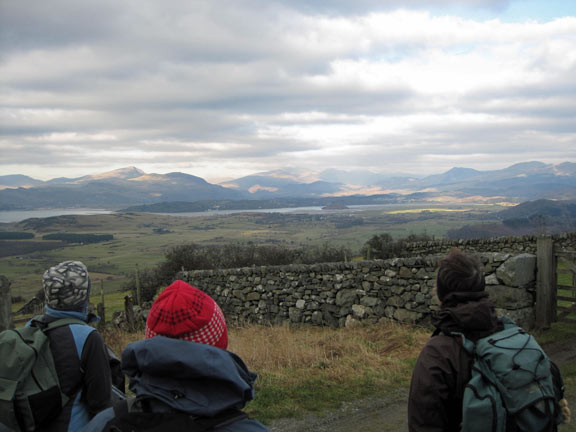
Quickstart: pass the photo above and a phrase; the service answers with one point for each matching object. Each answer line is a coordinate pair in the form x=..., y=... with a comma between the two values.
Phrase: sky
x=224, y=89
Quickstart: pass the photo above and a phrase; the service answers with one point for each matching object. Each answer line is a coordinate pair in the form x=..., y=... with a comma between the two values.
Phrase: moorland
x=141, y=240
x=312, y=368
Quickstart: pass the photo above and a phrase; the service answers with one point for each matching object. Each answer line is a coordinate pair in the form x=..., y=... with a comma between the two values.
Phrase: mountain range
x=519, y=182
x=131, y=186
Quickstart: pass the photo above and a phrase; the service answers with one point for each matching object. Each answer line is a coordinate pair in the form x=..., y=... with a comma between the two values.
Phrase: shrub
x=194, y=257
x=18, y=299
x=16, y=235
x=79, y=238
x=383, y=246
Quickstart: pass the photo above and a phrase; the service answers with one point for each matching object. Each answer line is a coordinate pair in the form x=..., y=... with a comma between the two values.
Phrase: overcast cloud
x=222, y=89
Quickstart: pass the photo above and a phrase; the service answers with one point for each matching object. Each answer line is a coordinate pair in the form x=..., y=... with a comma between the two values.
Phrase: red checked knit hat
x=184, y=312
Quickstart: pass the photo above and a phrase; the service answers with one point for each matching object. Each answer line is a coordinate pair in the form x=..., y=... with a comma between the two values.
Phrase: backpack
x=30, y=393
x=512, y=386
x=118, y=378
x=134, y=415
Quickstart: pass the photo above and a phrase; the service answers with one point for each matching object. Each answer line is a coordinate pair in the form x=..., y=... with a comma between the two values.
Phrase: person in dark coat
x=182, y=365
x=79, y=352
x=443, y=368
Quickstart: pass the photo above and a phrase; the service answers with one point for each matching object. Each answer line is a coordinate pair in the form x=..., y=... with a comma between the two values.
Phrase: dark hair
x=459, y=272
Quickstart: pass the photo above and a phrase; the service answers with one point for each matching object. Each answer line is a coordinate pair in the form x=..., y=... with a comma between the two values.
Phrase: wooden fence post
x=129, y=310
x=545, y=283
x=5, y=304
x=102, y=307
x=138, y=299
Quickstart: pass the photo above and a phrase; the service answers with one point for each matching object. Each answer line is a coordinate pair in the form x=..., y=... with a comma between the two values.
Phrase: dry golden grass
x=313, y=368
x=117, y=339
x=336, y=352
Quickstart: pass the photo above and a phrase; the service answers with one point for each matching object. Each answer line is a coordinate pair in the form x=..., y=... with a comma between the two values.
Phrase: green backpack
x=30, y=393
x=511, y=387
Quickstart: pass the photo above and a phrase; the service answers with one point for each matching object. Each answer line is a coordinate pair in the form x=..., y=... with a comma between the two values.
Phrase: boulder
x=518, y=271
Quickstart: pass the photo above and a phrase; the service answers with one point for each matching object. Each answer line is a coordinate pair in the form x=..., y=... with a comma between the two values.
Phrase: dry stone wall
x=512, y=245
x=342, y=294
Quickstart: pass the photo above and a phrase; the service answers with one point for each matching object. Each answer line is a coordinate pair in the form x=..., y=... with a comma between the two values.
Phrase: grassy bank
x=311, y=369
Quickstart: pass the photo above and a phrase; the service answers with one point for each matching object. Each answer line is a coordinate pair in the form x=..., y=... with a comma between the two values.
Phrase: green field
x=567, y=278
x=138, y=244
x=302, y=373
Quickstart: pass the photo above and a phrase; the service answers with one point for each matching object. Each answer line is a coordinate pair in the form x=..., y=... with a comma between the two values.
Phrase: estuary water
x=20, y=215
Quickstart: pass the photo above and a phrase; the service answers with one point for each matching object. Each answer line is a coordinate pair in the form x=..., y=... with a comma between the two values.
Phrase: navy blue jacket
x=83, y=371
x=194, y=378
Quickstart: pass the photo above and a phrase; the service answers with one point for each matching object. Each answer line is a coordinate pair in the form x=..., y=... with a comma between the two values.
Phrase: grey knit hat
x=67, y=286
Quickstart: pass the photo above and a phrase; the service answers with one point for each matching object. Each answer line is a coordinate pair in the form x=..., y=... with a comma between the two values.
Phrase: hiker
x=181, y=373
x=443, y=390
x=79, y=358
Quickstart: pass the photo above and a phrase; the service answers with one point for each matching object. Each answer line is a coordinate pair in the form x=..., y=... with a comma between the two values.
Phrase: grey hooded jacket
x=181, y=376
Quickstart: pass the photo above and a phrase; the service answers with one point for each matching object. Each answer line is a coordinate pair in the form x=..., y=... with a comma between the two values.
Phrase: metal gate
x=566, y=287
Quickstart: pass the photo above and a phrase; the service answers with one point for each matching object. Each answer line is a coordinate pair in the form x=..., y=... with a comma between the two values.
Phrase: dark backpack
x=134, y=415
x=512, y=385
x=30, y=393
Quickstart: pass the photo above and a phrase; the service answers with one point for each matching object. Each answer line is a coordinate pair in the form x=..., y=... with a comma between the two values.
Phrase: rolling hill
x=115, y=189
x=132, y=187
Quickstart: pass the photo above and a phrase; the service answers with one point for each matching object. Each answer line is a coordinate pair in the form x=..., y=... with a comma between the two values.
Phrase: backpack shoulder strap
x=80, y=329
x=47, y=326
x=467, y=344
x=64, y=322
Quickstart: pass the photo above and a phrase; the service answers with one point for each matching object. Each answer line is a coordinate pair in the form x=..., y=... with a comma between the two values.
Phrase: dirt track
x=368, y=415
x=389, y=413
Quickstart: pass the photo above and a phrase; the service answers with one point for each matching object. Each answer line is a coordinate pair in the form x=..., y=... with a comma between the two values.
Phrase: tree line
x=189, y=257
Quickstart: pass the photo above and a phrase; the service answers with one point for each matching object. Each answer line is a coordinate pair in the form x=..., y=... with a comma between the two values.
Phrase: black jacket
x=87, y=375
x=443, y=367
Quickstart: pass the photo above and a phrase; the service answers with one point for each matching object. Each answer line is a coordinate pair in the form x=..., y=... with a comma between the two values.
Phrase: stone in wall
x=334, y=294
x=523, y=317
x=518, y=271
x=491, y=279
x=346, y=297
x=404, y=315
x=510, y=297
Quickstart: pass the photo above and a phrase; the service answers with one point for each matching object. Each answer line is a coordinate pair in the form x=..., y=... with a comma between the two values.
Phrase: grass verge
x=311, y=369
x=563, y=333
